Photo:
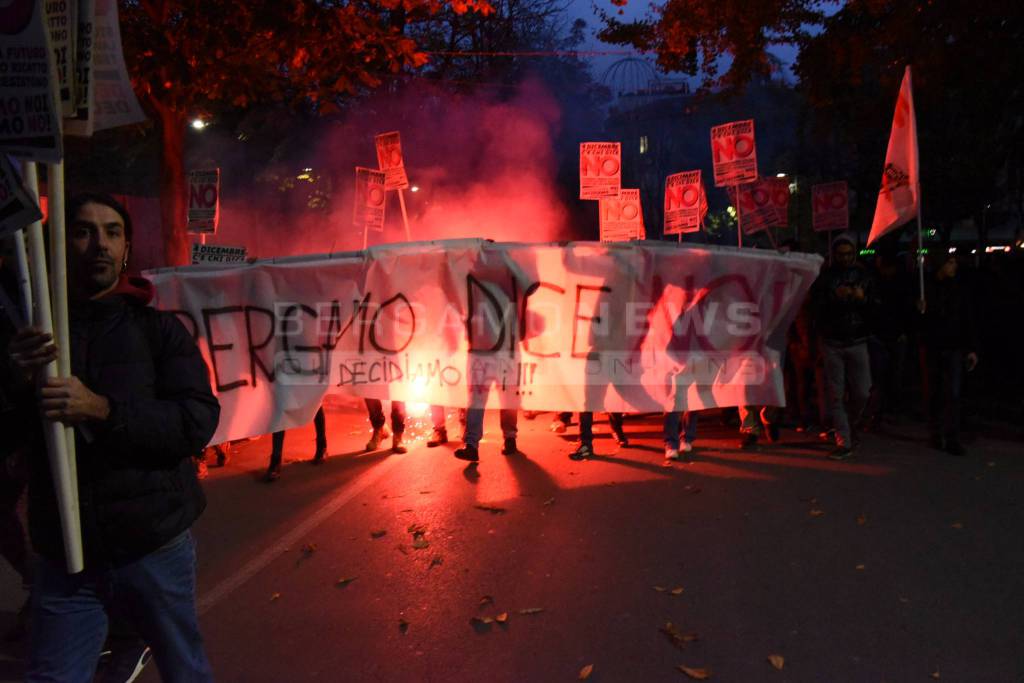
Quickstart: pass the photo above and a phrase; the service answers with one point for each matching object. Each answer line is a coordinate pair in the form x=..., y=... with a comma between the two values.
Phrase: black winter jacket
x=843, y=322
x=136, y=480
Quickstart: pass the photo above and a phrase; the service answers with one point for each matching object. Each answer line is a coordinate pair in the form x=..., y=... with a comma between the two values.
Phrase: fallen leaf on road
x=378, y=534
x=904, y=600
x=862, y=519
x=309, y=549
x=490, y=508
x=777, y=661
x=406, y=510
x=698, y=674
x=436, y=561
x=696, y=490
x=815, y=512
x=275, y=596
x=401, y=549
x=531, y=610
x=416, y=529
x=860, y=567
x=809, y=499
x=423, y=493
x=935, y=674
x=344, y=581
x=486, y=600
x=675, y=637
x=660, y=589
x=678, y=590
x=957, y=525
x=419, y=543
x=481, y=620
x=991, y=463
x=586, y=671
x=403, y=625
x=502, y=618
x=549, y=501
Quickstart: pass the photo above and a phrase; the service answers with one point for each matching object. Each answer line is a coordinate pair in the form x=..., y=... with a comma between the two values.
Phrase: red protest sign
x=203, y=201
x=600, y=169
x=622, y=218
x=368, y=208
x=685, y=203
x=734, y=153
x=830, y=206
x=389, y=160
x=778, y=196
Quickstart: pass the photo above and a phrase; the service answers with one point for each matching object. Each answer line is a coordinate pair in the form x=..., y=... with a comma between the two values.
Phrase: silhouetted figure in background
x=277, y=447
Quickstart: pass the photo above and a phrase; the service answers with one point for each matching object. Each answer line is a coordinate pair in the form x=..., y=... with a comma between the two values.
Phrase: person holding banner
x=139, y=397
x=845, y=298
x=375, y=411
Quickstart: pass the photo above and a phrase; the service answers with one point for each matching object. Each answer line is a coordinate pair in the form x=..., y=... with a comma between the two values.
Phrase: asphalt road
x=901, y=565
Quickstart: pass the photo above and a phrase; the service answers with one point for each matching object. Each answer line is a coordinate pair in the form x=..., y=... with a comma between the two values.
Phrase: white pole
x=405, y=216
x=56, y=444
x=739, y=218
x=21, y=261
x=59, y=290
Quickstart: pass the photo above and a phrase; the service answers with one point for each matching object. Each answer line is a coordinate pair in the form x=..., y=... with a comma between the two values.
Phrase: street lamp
x=199, y=124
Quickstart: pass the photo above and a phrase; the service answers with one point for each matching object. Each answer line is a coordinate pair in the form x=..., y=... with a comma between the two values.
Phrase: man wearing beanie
x=844, y=299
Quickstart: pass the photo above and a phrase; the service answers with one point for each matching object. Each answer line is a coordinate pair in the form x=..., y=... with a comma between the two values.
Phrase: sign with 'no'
x=734, y=153
x=622, y=218
x=368, y=209
x=685, y=203
x=389, y=159
x=830, y=206
x=204, y=201
x=600, y=169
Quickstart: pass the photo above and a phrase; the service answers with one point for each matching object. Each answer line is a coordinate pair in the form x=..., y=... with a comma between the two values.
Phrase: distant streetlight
x=780, y=175
x=414, y=188
x=199, y=124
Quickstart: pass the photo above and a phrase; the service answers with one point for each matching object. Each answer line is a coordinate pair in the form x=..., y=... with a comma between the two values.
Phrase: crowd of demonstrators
x=140, y=401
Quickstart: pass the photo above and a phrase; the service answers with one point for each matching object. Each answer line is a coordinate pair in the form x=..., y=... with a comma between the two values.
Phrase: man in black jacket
x=950, y=343
x=844, y=299
x=139, y=398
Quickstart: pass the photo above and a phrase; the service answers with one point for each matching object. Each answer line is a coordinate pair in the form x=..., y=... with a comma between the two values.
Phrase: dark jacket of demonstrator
x=137, y=485
x=843, y=322
x=948, y=323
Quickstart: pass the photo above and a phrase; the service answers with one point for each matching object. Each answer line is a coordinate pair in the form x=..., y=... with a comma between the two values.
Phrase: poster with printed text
x=830, y=206
x=734, y=153
x=389, y=160
x=600, y=169
x=368, y=210
x=622, y=218
x=685, y=203
x=16, y=206
x=60, y=21
x=204, y=201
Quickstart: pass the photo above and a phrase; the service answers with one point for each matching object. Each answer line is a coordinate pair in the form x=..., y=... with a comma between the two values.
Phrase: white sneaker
x=558, y=427
x=685, y=447
x=671, y=453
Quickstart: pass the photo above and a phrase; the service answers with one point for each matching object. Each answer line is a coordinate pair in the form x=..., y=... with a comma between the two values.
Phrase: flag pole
x=920, y=244
x=739, y=218
x=405, y=216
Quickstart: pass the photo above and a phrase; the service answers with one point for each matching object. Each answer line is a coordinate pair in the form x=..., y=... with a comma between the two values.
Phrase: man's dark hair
x=80, y=200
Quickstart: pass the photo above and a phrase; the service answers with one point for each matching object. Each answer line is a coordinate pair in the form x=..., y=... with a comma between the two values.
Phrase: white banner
x=582, y=326
x=389, y=160
x=600, y=169
x=204, y=201
x=29, y=111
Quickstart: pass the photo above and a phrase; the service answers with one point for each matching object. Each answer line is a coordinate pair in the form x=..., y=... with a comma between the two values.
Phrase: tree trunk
x=172, y=187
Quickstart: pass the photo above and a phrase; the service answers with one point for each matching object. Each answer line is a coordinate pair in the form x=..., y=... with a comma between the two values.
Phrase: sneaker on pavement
x=376, y=438
x=582, y=452
x=202, y=470
x=748, y=442
x=467, y=452
x=558, y=427
x=438, y=438
x=672, y=453
x=509, y=448
x=125, y=666
x=686, y=447
x=841, y=453
x=223, y=453
x=396, y=444
x=319, y=456
x=620, y=438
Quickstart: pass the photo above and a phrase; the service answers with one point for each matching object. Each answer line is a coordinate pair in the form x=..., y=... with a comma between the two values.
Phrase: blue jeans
x=475, y=425
x=155, y=594
x=673, y=420
x=846, y=368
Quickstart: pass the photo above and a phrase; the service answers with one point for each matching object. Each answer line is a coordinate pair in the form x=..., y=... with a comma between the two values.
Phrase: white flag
x=899, y=198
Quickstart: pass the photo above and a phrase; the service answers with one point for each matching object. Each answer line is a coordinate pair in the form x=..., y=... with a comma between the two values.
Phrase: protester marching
x=681, y=299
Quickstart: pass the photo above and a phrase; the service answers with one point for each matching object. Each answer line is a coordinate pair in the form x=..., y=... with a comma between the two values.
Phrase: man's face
x=96, y=248
x=948, y=268
x=845, y=254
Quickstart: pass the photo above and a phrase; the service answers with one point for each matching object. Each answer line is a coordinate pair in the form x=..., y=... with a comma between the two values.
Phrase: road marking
x=223, y=589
